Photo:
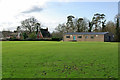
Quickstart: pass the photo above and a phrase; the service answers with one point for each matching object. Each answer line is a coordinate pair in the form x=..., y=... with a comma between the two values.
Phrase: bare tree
x=82, y=25
x=29, y=24
x=78, y=25
x=110, y=27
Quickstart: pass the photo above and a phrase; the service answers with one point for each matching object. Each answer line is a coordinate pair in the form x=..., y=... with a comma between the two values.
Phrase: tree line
x=97, y=24
x=31, y=26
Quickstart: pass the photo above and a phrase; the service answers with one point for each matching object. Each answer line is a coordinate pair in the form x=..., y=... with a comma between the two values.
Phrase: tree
x=79, y=24
x=97, y=20
x=57, y=35
x=29, y=24
x=70, y=27
x=82, y=25
x=60, y=30
x=79, y=21
x=90, y=26
x=110, y=27
x=103, y=26
x=117, y=29
x=18, y=28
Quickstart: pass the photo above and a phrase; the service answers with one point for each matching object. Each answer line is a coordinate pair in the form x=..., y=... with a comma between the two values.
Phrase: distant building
x=43, y=33
x=1, y=36
x=89, y=36
x=9, y=34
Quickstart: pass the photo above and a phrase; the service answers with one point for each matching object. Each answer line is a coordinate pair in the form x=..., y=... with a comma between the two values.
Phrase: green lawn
x=44, y=59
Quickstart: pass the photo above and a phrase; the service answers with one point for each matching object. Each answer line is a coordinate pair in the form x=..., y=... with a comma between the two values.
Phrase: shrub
x=32, y=36
x=25, y=36
x=56, y=39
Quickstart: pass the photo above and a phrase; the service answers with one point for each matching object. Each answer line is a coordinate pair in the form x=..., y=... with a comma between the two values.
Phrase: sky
x=50, y=13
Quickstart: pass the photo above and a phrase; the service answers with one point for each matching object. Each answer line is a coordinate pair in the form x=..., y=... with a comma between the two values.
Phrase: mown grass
x=43, y=59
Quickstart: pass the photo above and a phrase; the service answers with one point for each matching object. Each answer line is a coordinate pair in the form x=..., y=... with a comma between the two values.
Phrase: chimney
x=47, y=28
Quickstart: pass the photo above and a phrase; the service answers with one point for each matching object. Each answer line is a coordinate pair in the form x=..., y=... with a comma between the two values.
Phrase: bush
x=25, y=35
x=12, y=38
x=32, y=36
x=56, y=39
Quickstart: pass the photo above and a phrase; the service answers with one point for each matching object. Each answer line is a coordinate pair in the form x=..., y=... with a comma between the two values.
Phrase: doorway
x=74, y=38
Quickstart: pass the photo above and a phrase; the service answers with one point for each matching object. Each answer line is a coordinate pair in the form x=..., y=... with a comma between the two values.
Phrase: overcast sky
x=52, y=12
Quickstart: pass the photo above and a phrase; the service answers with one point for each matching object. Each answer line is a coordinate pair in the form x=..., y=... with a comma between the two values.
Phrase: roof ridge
x=87, y=33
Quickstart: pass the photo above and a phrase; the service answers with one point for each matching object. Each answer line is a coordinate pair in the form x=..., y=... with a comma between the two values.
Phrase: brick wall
x=84, y=38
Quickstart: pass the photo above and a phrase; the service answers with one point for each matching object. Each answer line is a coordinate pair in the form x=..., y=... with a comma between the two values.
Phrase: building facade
x=89, y=36
x=9, y=34
x=6, y=35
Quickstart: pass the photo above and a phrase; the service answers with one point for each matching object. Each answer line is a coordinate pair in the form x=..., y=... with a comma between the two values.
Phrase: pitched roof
x=45, y=32
x=83, y=33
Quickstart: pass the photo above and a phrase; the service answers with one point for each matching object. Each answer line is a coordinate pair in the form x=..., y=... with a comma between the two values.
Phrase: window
x=70, y=35
x=79, y=36
x=67, y=36
x=86, y=37
x=96, y=35
x=92, y=37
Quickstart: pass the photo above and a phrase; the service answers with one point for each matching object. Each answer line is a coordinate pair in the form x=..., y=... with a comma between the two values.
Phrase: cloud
x=10, y=11
x=33, y=9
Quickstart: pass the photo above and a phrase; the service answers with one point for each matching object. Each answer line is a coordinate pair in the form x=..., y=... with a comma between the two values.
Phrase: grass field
x=37, y=59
